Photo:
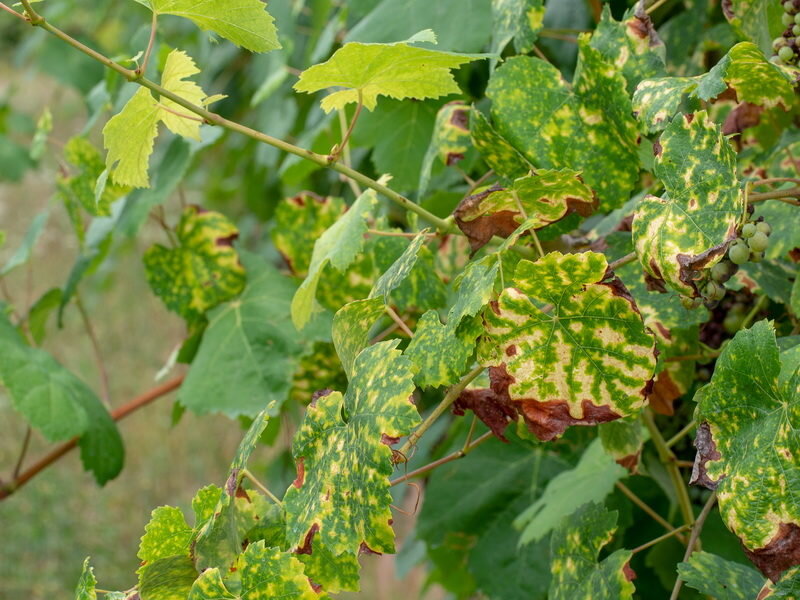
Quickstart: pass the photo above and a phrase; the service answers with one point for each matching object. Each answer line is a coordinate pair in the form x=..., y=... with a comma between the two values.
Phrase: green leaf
x=474, y=289
x=589, y=360
x=744, y=69
x=167, y=578
x=167, y=534
x=591, y=480
x=299, y=222
x=43, y=128
x=574, y=548
x=334, y=573
x=632, y=45
x=219, y=540
x=209, y=586
x=623, y=440
x=400, y=269
x=397, y=70
x=351, y=327
x=757, y=20
x=440, y=352
x=690, y=227
x=40, y=312
x=246, y=23
x=203, y=271
x=542, y=197
x=788, y=588
x=85, y=590
x=449, y=143
x=250, y=349
x=339, y=246
x=542, y=116
x=129, y=138
x=23, y=253
x=518, y=20
x=747, y=440
x=497, y=151
x=343, y=464
x=722, y=579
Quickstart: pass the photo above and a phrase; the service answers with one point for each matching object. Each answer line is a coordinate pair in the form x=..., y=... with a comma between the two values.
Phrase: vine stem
x=120, y=413
x=678, y=436
x=399, y=320
x=647, y=509
x=449, y=458
x=98, y=354
x=667, y=457
x=12, y=11
x=693, y=539
x=150, y=43
x=334, y=155
x=452, y=395
x=215, y=119
x=628, y=258
x=753, y=312
x=790, y=196
x=655, y=6
x=23, y=451
x=772, y=180
x=261, y=487
x=660, y=538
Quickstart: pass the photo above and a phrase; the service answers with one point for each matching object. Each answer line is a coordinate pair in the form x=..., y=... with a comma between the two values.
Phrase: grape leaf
x=341, y=493
x=23, y=253
x=351, y=326
x=691, y=226
x=219, y=540
x=622, y=440
x=299, y=222
x=591, y=480
x=265, y=573
x=497, y=151
x=542, y=116
x=440, y=352
x=400, y=269
x=632, y=45
x=449, y=143
x=589, y=361
x=542, y=197
x=167, y=534
x=78, y=188
x=722, y=579
x=744, y=69
x=129, y=136
x=397, y=70
x=246, y=23
x=168, y=578
x=788, y=588
x=518, y=20
x=474, y=288
x=756, y=20
x=574, y=548
x=339, y=246
x=177, y=68
x=250, y=349
x=85, y=590
x=747, y=440
x=202, y=271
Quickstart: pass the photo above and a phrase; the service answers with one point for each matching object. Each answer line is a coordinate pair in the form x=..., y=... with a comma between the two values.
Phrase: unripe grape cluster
x=785, y=47
x=753, y=240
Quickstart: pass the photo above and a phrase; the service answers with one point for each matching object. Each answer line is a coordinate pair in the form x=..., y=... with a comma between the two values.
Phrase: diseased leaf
x=449, y=143
x=788, y=588
x=588, y=361
x=623, y=440
x=757, y=20
x=351, y=327
x=339, y=246
x=542, y=116
x=744, y=69
x=518, y=20
x=203, y=271
x=632, y=45
x=246, y=23
x=167, y=578
x=474, y=288
x=400, y=269
x=591, y=480
x=748, y=445
x=250, y=350
x=497, y=151
x=85, y=590
x=542, y=197
x=299, y=222
x=574, y=548
x=722, y=579
x=334, y=573
x=341, y=494
x=397, y=70
x=691, y=226
x=78, y=189
x=440, y=352
x=167, y=534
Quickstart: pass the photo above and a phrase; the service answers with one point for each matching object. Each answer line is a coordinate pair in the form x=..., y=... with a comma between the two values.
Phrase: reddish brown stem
x=59, y=451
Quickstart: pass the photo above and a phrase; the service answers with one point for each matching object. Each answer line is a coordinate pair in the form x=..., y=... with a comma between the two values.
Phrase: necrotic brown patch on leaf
x=631, y=463
x=665, y=391
x=782, y=552
x=494, y=410
x=308, y=542
x=642, y=26
x=301, y=473
x=706, y=451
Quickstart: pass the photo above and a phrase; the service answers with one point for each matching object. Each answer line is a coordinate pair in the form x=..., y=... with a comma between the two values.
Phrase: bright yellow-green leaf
x=397, y=70
x=129, y=139
x=178, y=67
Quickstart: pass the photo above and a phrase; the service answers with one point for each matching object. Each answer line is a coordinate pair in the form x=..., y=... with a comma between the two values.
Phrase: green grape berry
x=748, y=230
x=796, y=30
x=690, y=303
x=778, y=43
x=739, y=253
x=723, y=271
x=759, y=242
x=797, y=19
x=763, y=227
x=714, y=291
x=733, y=322
x=738, y=308
x=786, y=54
x=775, y=59
x=787, y=19
x=756, y=257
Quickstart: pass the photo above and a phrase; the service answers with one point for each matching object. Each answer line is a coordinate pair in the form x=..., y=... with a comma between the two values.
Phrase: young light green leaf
x=591, y=480
x=590, y=360
x=250, y=349
x=744, y=69
x=747, y=442
x=246, y=23
x=339, y=246
x=177, y=68
x=167, y=534
x=85, y=590
x=129, y=138
x=341, y=494
x=542, y=116
x=690, y=227
x=542, y=197
x=397, y=70
x=202, y=271
x=722, y=579
x=574, y=548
